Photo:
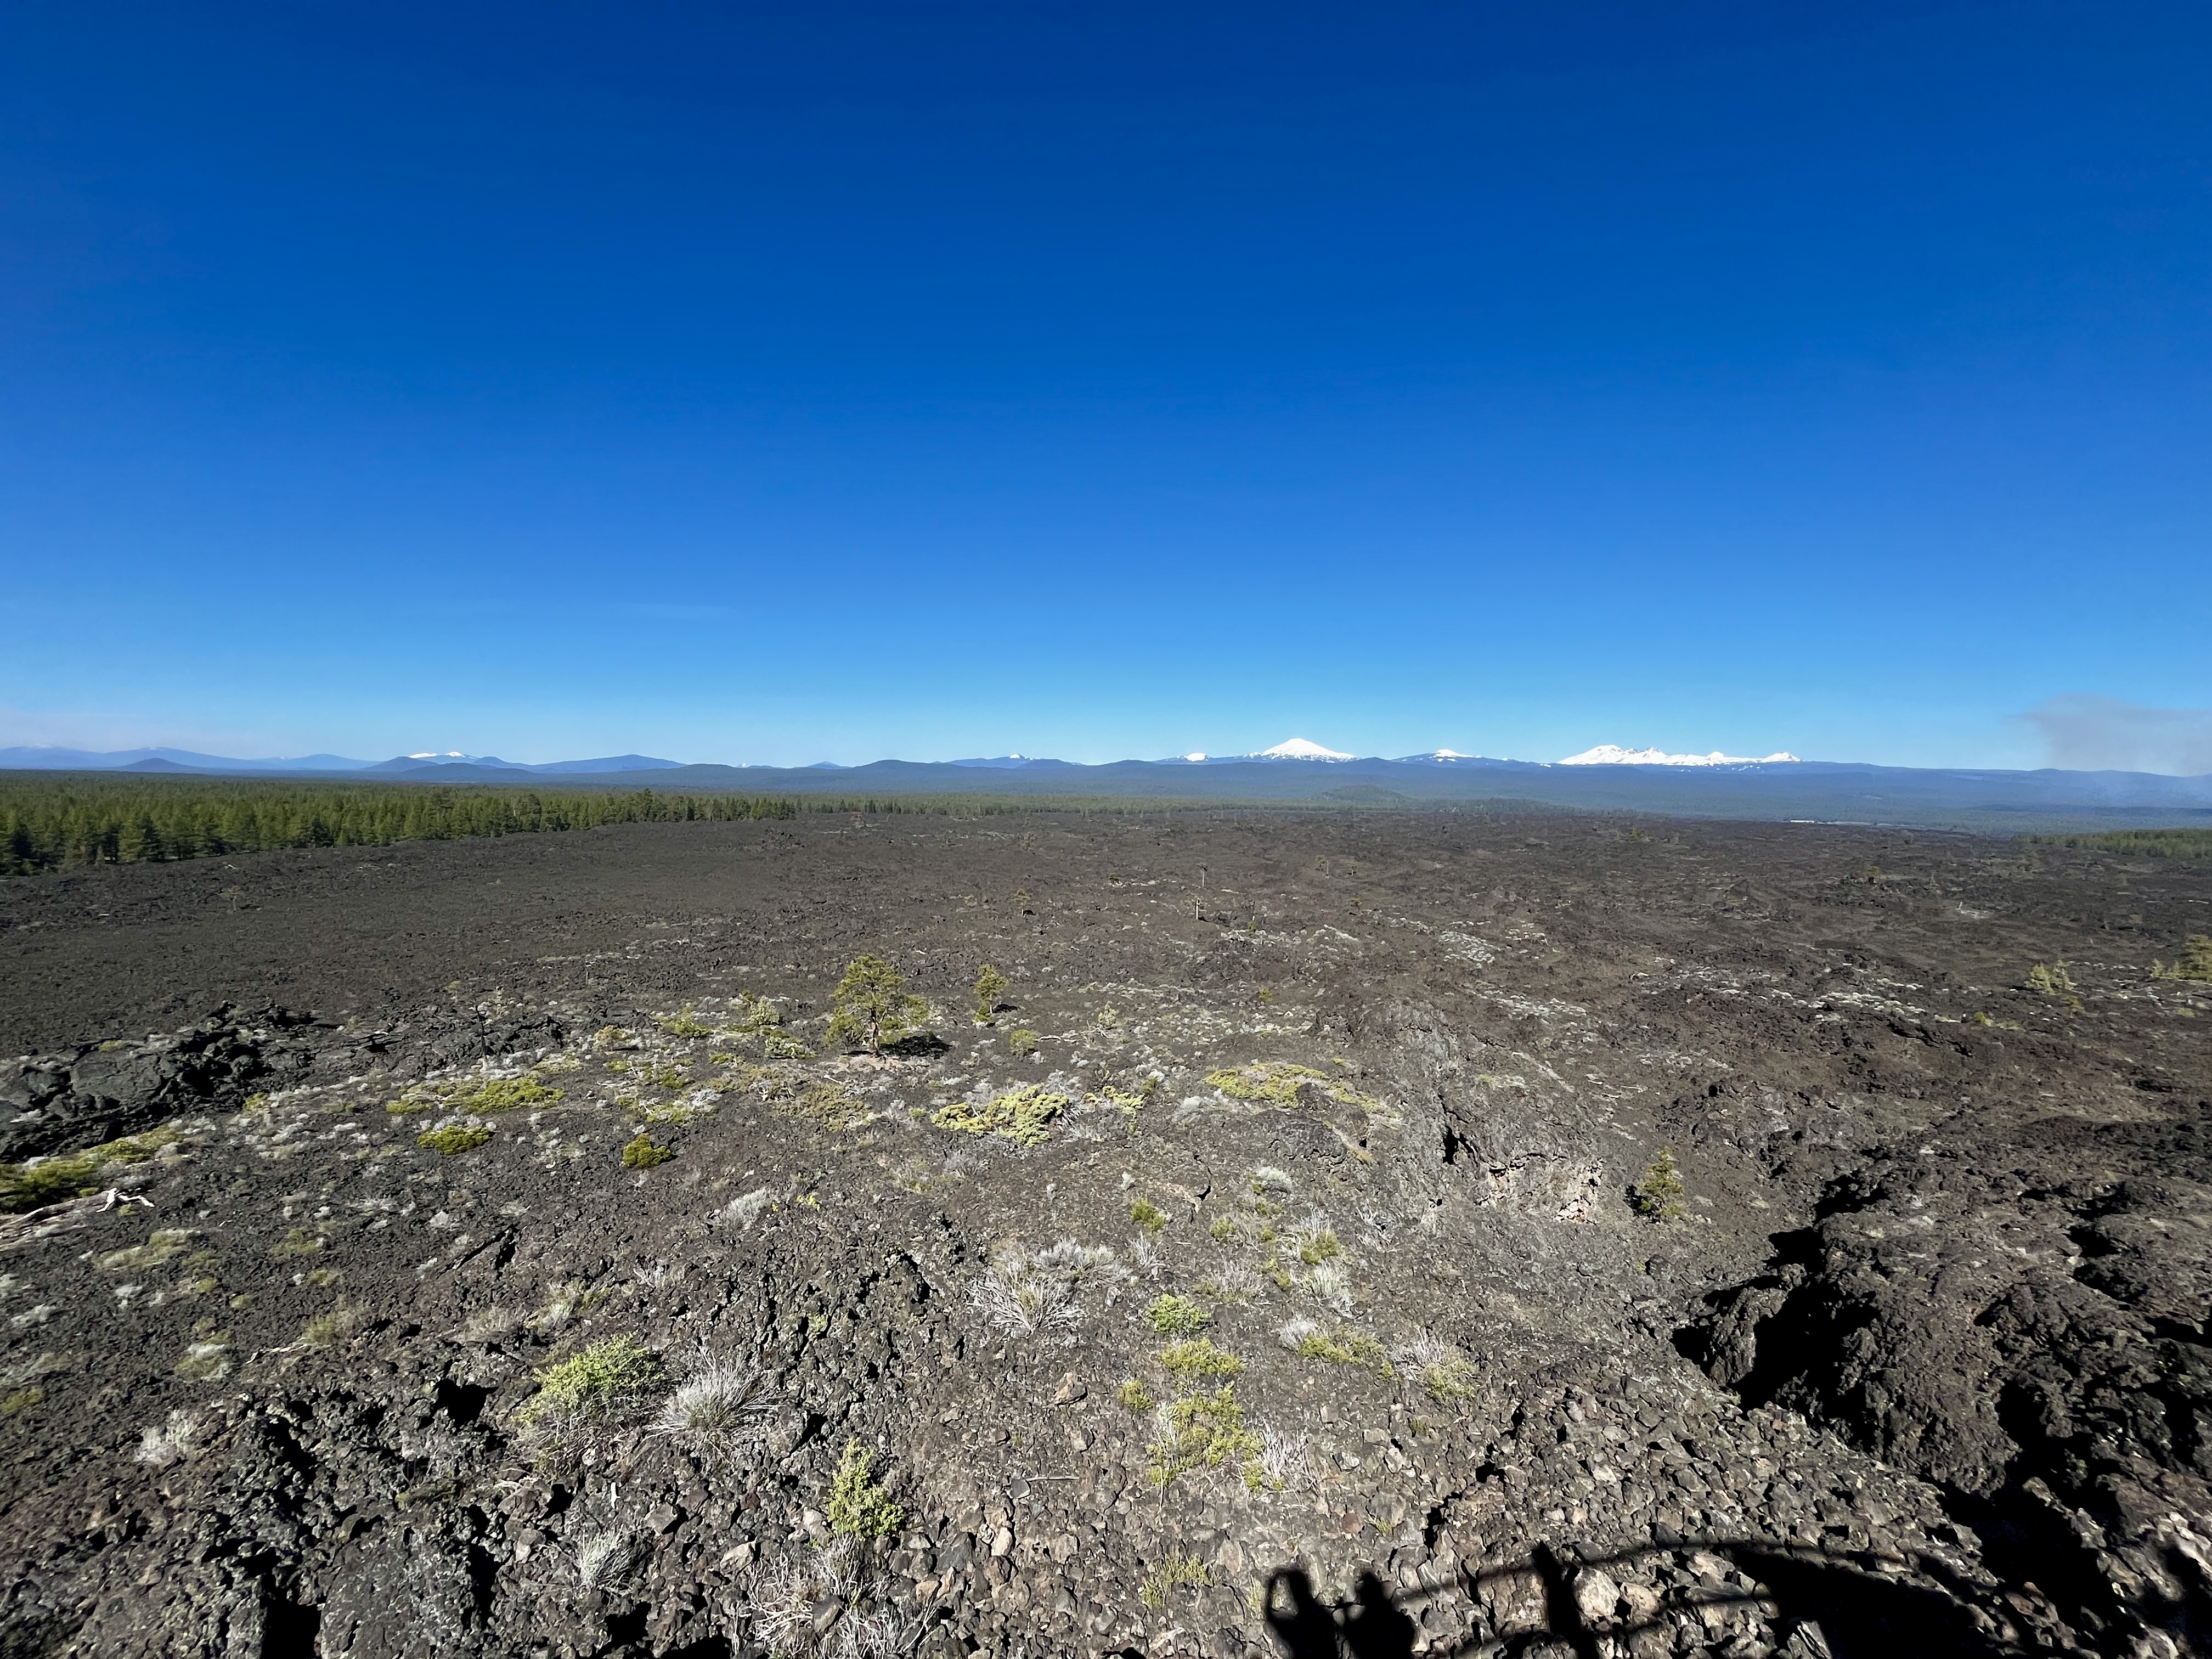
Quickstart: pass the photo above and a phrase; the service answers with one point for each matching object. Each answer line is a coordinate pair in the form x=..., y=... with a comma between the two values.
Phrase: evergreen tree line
x=2140, y=844
x=48, y=823
x=44, y=825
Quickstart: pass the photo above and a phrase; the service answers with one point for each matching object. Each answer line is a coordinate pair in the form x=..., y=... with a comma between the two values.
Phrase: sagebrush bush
x=1023, y=1115
x=1176, y=1315
x=599, y=1383
x=857, y=1507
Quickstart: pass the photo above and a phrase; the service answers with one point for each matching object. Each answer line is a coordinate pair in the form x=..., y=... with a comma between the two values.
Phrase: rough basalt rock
x=383, y=1347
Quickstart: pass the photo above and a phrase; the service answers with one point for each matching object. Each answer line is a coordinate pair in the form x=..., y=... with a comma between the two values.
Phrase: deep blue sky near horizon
x=752, y=383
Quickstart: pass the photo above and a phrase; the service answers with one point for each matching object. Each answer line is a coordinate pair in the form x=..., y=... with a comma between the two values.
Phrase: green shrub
x=1277, y=1083
x=1196, y=1360
x=1134, y=1396
x=1176, y=1315
x=872, y=1007
x=502, y=1094
x=1204, y=1431
x=1660, y=1194
x=2194, y=963
x=1022, y=1043
x=1178, y=1572
x=1346, y=1348
x=164, y=1246
x=1450, y=1381
x=857, y=1507
x=685, y=1024
x=600, y=1382
x=1317, y=1245
x=990, y=986
x=758, y=1022
x=2140, y=844
x=1149, y=1216
x=454, y=1139
x=2050, y=979
x=640, y=1153
x=325, y=1330
x=1023, y=1115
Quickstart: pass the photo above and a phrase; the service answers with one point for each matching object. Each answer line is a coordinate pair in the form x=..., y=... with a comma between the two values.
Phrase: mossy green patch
x=164, y=1246
x=477, y=1097
x=44, y=1181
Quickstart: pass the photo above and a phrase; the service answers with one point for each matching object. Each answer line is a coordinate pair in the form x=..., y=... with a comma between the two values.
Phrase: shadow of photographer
x=1844, y=1602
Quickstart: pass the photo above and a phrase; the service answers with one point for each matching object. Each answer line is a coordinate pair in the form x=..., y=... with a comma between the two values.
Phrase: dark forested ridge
x=46, y=823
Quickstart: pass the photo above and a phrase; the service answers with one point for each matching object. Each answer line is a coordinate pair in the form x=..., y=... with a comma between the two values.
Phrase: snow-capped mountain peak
x=1299, y=749
x=1611, y=753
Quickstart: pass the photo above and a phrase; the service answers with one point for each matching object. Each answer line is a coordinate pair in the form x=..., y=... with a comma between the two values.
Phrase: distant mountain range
x=1607, y=778
x=41, y=758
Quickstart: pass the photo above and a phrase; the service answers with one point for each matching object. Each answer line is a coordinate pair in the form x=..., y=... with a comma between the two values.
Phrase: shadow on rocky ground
x=1816, y=1604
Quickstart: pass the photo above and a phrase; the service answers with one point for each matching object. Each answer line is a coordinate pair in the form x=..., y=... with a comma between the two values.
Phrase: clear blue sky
x=801, y=382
